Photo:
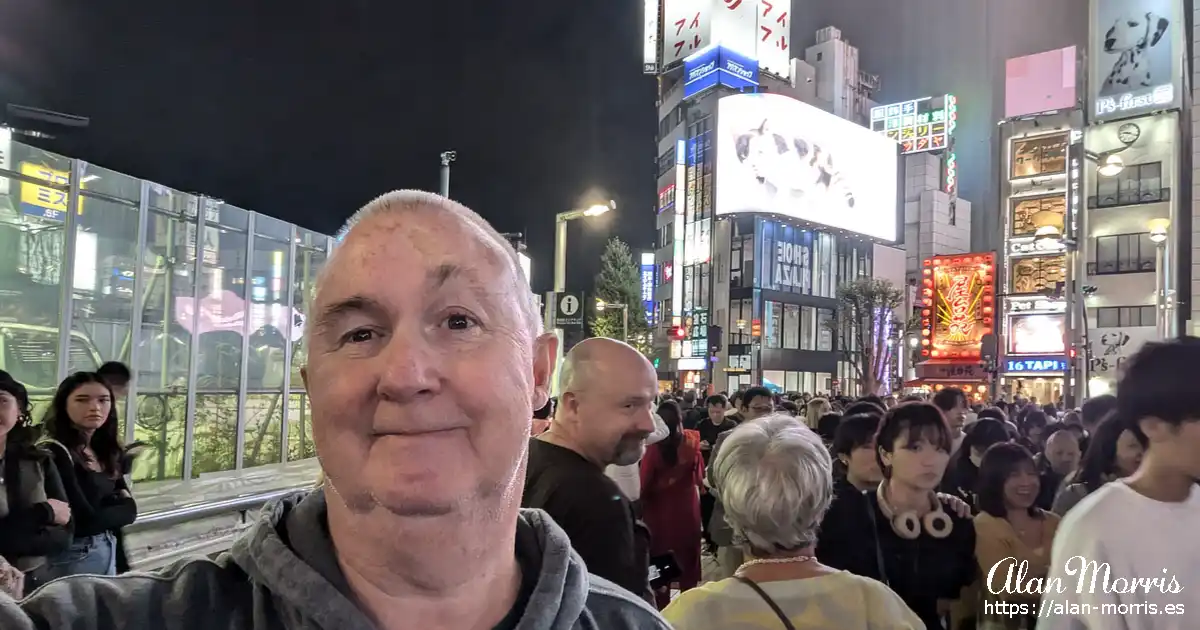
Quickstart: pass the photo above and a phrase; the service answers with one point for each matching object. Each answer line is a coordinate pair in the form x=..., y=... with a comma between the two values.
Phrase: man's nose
x=409, y=368
x=646, y=422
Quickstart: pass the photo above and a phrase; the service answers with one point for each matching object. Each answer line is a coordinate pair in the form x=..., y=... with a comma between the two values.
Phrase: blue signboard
x=648, y=290
x=717, y=65
x=1036, y=365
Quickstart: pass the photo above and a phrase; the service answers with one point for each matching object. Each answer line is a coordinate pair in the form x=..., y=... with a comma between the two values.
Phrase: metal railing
x=165, y=550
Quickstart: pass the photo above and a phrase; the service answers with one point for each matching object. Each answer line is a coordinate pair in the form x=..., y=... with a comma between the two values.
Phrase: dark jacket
x=283, y=574
x=27, y=530
x=920, y=571
x=93, y=510
x=961, y=478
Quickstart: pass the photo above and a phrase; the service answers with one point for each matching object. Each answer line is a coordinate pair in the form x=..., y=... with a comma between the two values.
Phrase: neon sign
x=957, y=297
x=921, y=125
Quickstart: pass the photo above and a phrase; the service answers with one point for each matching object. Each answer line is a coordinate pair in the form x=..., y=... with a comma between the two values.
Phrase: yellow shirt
x=837, y=601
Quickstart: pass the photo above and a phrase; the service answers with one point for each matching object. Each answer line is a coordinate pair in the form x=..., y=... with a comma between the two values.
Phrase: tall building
x=926, y=47
x=767, y=203
x=1093, y=227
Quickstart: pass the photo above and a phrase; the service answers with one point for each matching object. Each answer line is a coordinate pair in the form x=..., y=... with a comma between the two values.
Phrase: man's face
x=1062, y=452
x=422, y=371
x=957, y=416
x=716, y=413
x=758, y=407
x=612, y=405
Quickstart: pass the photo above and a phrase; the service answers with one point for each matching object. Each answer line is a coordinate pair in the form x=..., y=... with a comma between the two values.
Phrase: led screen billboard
x=1136, y=57
x=1036, y=84
x=957, y=306
x=781, y=156
x=1036, y=334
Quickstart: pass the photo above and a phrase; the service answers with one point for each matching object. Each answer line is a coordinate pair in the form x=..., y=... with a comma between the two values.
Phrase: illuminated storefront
x=957, y=310
x=1040, y=223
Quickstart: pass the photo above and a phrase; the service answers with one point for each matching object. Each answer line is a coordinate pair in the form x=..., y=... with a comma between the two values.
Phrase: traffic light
x=679, y=333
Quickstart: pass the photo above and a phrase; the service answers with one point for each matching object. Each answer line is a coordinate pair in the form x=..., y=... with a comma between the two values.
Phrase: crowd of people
x=456, y=494
x=66, y=495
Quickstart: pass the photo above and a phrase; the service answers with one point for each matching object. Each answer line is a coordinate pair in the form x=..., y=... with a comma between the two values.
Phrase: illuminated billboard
x=957, y=306
x=1036, y=334
x=715, y=66
x=781, y=156
x=650, y=12
x=1136, y=57
x=758, y=29
x=921, y=125
x=1036, y=84
x=648, y=285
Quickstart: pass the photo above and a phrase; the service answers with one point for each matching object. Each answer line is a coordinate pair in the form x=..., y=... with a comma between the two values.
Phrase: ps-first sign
x=568, y=310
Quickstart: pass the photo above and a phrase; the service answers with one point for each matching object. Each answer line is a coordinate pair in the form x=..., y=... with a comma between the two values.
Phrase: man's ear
x=545, y=353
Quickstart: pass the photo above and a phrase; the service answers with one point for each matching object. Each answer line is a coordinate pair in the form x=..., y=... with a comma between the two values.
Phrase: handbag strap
x=878, y=543
x=766, y=598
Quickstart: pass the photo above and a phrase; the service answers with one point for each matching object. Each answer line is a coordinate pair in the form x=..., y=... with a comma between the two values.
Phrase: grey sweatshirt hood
x=305, y=574
x=282, y=574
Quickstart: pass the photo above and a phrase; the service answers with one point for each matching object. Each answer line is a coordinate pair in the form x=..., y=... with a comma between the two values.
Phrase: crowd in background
x=792, y=500
x=64, y=490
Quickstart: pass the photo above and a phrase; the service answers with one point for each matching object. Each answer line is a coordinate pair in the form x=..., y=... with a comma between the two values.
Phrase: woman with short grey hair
x=774, y=477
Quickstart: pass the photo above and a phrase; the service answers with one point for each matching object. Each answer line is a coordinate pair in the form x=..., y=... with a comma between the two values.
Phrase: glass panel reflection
x=222, y=311
x=272, y=326
x=304, y=275
x=164, y=345
x=300, y=440
x=103, y=283
x=264, y=426
x=31, y=254
x=214, y=434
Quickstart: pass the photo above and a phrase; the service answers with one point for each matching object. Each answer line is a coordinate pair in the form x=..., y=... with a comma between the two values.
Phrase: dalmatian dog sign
x=1135, y=65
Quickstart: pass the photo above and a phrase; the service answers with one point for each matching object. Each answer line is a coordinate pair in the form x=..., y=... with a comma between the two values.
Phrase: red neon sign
x=957, y=297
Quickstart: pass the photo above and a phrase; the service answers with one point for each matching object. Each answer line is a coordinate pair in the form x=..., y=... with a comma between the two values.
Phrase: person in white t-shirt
x=1141, y=530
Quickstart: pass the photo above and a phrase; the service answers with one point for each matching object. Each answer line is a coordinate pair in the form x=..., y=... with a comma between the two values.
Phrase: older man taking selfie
x=425, y=361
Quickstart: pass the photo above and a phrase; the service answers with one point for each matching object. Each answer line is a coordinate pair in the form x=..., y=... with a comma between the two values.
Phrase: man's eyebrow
x=443, y=274
x=330, y=314
x=440, y=275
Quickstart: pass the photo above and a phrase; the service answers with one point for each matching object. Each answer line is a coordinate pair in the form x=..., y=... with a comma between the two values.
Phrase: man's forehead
x=428, y=237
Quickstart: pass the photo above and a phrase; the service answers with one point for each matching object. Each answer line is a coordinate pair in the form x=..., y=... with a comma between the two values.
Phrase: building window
x=1122, y=253
x=1138, y=183
x=791, y=327
x=740, y=312
x=773, y=326
x=1124, y=316
x=824, y=329
x=666, y=161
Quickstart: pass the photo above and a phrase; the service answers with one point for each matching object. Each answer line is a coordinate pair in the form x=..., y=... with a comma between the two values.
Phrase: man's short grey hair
x=775, y=480
x=406, y=201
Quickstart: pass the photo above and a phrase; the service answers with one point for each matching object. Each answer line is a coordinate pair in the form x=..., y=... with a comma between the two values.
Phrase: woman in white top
x=776, y=480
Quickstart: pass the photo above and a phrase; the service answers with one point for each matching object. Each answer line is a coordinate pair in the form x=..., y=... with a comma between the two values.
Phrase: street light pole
x=560, y=253
x=447, y=158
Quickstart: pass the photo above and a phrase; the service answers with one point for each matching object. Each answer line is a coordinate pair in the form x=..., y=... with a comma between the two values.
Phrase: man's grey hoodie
x=283, y=574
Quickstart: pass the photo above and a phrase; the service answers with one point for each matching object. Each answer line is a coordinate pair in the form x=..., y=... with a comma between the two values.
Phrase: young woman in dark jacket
x=902, y=535
x=35, y=519
x=81, y=432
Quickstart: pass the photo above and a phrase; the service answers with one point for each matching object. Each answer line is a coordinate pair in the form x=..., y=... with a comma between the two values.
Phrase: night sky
x=306, y=110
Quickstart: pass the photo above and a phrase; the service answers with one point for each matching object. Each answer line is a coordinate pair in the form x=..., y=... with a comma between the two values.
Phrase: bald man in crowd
x=604, y=415
x=425, y=363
